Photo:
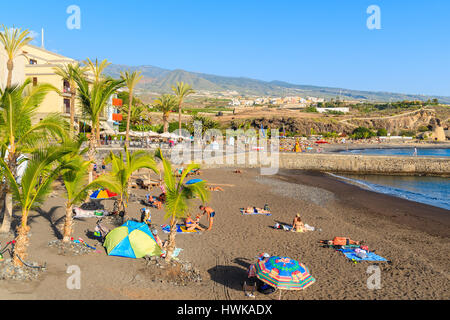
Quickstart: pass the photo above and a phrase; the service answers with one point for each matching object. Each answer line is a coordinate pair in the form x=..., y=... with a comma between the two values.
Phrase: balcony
x=117, y=102
x=117, y=117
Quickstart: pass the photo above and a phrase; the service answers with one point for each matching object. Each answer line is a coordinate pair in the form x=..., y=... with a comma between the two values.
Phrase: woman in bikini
x=191, y=225
x=298, y=225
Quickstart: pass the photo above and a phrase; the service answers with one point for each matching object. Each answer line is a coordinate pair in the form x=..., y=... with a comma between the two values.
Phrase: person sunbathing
x=154, y=202
x=192, y=225
x=298, y=225
x=250, y=210
x=215, y=189
x=162, y=198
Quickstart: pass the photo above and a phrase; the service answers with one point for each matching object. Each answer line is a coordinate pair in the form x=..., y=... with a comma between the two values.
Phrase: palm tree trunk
x=98, y=129
x=10, y=67
x=72, y=114
x=171, y=241
x=127, y=138
x=68, y=224
x=179, y=118
x=21, y=241
x=91, y=155
x=166, y=122
x=7, y=218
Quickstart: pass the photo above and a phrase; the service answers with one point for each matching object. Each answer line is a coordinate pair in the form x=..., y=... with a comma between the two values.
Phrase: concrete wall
x=360, y=164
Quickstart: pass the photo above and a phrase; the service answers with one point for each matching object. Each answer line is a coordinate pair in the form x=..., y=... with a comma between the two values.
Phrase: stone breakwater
x=357, y=164
x=326, y=162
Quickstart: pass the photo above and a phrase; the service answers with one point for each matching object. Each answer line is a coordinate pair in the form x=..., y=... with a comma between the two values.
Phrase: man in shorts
x=211, y=214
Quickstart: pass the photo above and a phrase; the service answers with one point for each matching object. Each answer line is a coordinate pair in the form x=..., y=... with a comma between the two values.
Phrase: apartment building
x=38, y=64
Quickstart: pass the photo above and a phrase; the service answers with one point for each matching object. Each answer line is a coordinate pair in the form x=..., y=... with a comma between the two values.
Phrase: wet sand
x=414, y=237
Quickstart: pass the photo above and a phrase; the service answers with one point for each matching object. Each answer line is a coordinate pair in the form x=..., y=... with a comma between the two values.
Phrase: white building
x=324, y=110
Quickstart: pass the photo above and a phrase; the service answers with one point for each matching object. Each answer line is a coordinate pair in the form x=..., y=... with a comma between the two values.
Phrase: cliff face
x=410, y=121
x=394, y=124
x=302, y=126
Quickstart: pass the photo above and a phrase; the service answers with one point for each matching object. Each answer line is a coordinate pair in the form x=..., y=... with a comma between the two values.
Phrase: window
x=32, y=61
x=35, y=81
x=66, y=86
x=67, y=105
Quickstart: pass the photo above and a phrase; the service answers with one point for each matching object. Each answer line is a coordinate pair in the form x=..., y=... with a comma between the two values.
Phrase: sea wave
x=426, y=198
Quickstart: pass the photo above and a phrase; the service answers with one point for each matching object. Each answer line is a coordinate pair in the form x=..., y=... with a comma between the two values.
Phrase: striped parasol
x=102, y=194
x=284, y=273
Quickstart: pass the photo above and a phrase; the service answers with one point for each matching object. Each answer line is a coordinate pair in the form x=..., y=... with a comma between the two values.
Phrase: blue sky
x=315, y=42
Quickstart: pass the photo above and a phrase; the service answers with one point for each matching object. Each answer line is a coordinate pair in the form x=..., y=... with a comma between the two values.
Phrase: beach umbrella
x=103, y=194
x=284, y=273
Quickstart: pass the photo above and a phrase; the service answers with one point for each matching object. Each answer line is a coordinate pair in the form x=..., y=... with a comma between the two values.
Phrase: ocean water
x=433, y=191
x=424, y=152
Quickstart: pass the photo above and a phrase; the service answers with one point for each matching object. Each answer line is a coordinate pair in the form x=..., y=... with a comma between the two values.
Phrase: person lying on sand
x=341, y=241
x=250, y=210
x=237, y=171
x=215, y=189
x=192, y=225
x=155, y=202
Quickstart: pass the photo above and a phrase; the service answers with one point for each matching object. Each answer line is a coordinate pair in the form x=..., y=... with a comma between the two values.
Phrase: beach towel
x=370, y=256
x=180, y=229
x=175, y=253
x=254, y=213
x=80, y=213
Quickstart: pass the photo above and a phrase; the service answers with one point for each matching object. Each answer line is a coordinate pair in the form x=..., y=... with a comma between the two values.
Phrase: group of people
x=192, y=224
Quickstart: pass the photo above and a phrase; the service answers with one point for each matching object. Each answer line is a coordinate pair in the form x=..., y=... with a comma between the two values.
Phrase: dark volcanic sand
x=413, y=236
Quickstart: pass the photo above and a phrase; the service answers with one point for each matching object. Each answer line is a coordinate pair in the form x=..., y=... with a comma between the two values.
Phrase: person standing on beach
x=211, y=214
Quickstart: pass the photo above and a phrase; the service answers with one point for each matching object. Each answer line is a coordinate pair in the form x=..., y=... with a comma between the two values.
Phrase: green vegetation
x=362, y=133
x=382, y=132
x=311, y=109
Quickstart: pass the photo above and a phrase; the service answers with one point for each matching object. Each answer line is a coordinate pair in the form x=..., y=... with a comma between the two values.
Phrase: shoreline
x=408, y=213
x=356, y=181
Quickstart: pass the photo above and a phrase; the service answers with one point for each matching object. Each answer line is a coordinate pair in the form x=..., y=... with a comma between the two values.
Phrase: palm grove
x=51, y=150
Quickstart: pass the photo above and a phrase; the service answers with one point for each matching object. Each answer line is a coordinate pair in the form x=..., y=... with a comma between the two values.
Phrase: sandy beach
x=413, y=237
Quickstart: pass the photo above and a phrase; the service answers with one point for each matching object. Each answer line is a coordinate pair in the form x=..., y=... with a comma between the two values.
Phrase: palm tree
x=35, y=184
x=166, y=104
x=97, y=69
x=118, y=180
x=178, y=196
x=138, y=115
x=182, y=90
x=69, y=72
x=131, y=80
x=93, y=99
x=13, y=40
x=18, y=105
x=75, y=179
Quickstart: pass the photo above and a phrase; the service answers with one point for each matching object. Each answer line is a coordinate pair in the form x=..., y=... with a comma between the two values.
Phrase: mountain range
x=159, y=80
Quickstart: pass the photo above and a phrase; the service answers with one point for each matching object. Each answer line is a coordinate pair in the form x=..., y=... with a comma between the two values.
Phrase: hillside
x=160, y=80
